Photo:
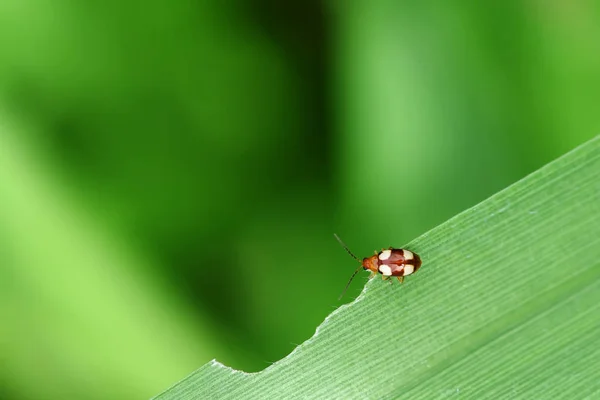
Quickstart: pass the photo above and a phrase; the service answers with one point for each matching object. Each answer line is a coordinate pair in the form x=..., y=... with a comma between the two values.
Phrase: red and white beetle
x=390, y=262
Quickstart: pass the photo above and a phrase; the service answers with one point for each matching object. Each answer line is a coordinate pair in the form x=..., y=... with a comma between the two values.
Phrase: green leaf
x=506, y=304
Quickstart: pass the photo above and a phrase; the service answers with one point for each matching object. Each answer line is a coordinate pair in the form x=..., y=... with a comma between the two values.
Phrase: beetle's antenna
x=345, y=247
x=353, y=256
x=348, y=284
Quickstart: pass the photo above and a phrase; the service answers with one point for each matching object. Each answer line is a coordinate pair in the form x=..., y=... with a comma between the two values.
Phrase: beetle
x=388, y=262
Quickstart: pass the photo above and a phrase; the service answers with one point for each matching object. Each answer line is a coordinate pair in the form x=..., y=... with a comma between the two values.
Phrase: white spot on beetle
x=408, y=255
x=408, y=269
x=384, y=255
x=385, y=270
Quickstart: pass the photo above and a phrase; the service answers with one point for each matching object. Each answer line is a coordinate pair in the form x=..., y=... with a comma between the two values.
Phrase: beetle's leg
x=400, y=279
x=384, y=277
x=372, y=275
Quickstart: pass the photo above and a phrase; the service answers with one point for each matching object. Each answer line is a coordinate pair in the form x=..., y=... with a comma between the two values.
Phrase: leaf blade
x=495, y=279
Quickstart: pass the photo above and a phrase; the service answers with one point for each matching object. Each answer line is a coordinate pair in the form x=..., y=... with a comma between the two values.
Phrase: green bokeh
x=171, y=173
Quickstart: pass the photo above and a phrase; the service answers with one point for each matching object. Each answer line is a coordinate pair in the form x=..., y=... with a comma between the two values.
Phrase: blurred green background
x=172, y=172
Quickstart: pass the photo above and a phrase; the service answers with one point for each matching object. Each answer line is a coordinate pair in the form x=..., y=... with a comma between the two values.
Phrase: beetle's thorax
x=371, y=263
